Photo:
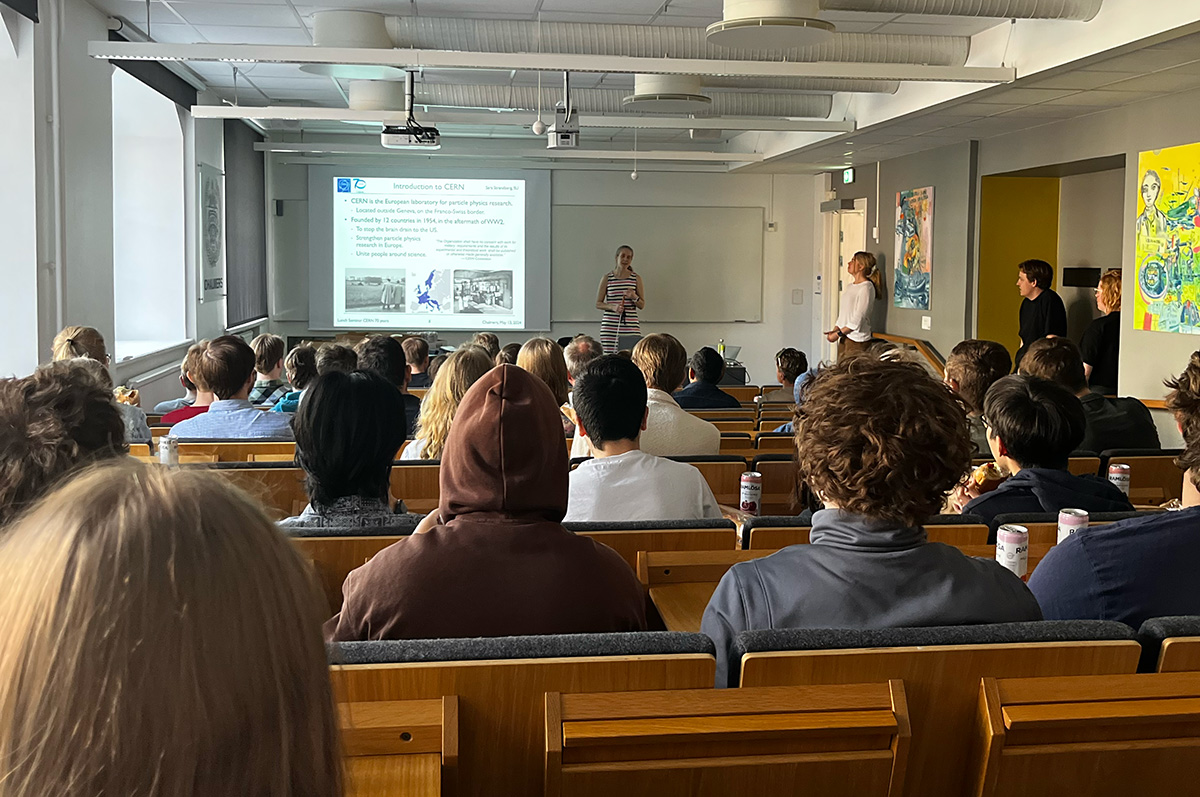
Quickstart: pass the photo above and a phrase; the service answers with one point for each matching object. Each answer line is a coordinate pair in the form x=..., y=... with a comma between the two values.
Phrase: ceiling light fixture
x=770, y=24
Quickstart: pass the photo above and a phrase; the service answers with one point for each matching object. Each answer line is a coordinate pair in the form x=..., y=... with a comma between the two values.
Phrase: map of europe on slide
x=1167, y=264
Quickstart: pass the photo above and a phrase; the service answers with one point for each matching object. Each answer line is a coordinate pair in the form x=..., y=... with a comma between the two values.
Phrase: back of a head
x=708, y=365
x=1040, y=422
x=336, y=357
x=461, y=369
x=610, y=399
x=268, y=351
x=77, y=341
x=384, y=355
x=487, y=340
x=1038, y=271
x=505, y=452
x=579, y=352
x=662, y=360
x=791, y=363
x=434, y=365
x=416, y=351
x=301, y=366
x=191, y=363
x=183, y=372
x=976, y=365
x=1056, y=359
x=1183, y=400
x=1110, y=289
x=543, y=358
x=881, y=439
x=507, y=354
x=53, y=422
x=192, y=661
x=348, y=429
x=226, y=366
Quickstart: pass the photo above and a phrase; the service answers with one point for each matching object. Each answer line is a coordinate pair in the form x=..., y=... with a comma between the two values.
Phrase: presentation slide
x=428, y=253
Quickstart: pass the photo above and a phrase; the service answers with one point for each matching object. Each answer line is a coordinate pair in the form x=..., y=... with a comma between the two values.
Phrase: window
x=149, y=244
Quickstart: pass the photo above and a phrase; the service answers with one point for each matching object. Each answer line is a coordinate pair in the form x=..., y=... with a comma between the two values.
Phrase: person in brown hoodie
x=499, y=562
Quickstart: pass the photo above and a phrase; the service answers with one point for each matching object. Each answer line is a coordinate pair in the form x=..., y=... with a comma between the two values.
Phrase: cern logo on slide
x=343, y=185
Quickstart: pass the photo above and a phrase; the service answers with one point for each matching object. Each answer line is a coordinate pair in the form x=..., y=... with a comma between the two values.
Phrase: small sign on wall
x=211, y=227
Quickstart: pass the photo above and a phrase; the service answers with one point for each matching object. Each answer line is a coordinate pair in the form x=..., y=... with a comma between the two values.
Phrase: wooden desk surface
x=682, y=606
x=418, y=775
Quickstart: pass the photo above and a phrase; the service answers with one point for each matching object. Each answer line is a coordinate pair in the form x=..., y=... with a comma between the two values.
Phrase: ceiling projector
x=410, y=136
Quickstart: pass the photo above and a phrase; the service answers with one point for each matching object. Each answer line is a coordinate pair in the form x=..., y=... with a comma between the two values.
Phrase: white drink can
x=750, y=500
x=1071, y=521
x=168, y=451
x=1012, y=549
x=1119, y=474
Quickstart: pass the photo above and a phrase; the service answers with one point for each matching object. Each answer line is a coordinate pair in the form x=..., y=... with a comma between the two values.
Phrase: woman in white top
x=853, y=329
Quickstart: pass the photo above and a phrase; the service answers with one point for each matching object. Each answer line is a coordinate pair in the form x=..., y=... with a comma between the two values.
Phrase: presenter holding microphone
x=853, y=329
x=621, y=296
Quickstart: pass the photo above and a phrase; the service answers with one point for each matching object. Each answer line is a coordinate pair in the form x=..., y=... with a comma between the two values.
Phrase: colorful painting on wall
x=913, y=267
x=1168, y=241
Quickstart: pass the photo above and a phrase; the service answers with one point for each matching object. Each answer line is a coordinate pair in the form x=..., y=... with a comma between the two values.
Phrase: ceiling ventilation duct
x=1078, y=10
x=352, y=29
x=376, y=95
x=770, y=24
x=667, y=94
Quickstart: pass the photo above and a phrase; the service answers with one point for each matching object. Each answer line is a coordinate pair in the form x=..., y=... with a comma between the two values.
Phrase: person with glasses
x=972, y=367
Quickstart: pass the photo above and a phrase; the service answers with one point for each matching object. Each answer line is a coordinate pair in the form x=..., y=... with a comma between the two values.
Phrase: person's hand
x=832, y=337
x=427, y=523
x=962, y=494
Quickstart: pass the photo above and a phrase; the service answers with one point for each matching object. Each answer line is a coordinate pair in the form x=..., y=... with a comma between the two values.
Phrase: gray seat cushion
x=644, y=643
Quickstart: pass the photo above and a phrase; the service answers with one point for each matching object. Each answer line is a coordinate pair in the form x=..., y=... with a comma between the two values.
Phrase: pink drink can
x=751, y=495
x=1071, y=521
x=1118, y=474
x=1012, y=549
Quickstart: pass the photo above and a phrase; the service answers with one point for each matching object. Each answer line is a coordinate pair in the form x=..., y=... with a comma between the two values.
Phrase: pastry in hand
x=987, y=477
x=126, y=395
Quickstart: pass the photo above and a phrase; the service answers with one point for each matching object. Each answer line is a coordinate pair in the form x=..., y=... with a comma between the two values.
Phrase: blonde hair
x=162, y=638
x=871, y=271
x=662, y=360
x=454, y=378
x=1110, y=289
x=76, y=341
x=544, y=359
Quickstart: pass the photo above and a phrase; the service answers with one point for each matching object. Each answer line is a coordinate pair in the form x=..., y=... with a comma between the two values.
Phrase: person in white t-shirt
x=622, y=482
x=853, y=329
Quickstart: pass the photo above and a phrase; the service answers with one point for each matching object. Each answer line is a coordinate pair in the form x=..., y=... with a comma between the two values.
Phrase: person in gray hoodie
x=1033, y=426
x=881, y=443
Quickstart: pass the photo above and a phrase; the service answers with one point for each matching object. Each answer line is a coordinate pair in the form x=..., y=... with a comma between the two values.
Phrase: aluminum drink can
x=1071, y=521
x=168, y=451
x=750, y=501
x=1012, y=549
x=1118, y=474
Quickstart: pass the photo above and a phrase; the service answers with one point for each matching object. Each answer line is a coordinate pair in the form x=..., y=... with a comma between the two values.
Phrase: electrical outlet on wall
x=926, y=322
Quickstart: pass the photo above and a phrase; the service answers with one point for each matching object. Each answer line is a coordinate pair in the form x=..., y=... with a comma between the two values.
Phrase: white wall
x=790, y=254
x=1091, y=210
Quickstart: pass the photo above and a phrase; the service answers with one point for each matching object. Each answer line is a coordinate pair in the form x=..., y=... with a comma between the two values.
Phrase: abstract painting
x=1167, y=242
x=913, y=266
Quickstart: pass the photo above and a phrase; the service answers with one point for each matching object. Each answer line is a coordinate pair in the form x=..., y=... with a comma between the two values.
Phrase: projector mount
x=413, y=135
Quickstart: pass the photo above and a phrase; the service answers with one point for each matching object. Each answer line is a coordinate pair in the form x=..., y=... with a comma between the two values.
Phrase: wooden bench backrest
x=281, y=490
x=1103, y=735
x=501, y=704
x=772, y=442
x=184, y=459
x=1152, y=480
x=783, y=536
x=840, y=740
x=334, y=557
x=724, y=479
x=712, y=416
x=1084, y=466
x=742, y=392
x=1180, y=654
x=942, y=686
x=678, y=567
x=407, y=747
x=629, y=543
x=779, y=487
x=417, y=486
x=734, y=426
x=738, y=446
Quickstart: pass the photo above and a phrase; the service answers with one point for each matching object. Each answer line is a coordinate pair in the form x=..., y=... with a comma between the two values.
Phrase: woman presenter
x=621, y=296
x=853, y=330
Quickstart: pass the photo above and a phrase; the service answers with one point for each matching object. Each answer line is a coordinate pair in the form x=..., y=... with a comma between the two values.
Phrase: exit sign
x=848, y=177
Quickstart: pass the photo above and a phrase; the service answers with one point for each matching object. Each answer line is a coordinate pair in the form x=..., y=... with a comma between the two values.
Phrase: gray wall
x=1090, y=224
x=950, y=171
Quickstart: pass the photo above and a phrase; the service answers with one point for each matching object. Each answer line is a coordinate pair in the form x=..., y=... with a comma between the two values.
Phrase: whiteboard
x=696, y=263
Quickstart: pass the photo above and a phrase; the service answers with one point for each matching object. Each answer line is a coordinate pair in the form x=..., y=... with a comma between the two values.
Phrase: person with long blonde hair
x=454, y=378
x=162, y=639
x=75, y=342
x=544, y=359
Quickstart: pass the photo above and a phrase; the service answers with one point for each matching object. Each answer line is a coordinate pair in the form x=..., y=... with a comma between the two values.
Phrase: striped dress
x=613, y=324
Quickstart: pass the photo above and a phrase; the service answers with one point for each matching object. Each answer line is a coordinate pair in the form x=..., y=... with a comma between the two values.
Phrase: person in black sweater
x=1042, y=311
x=704, y=371
x=1101, y=343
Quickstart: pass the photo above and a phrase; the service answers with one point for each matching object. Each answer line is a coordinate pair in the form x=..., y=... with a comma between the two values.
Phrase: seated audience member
x=622, y=482
x=53, y=422
x=348, y=430
x=790, y=365
x=204, y=396
x=1033, y=426
x=487, y=341
x=189, y=398
x=881, y=443
x=972, y=367
x=1111, y=422
x=416, y=354
x=462, y=369
x=301, y=366
x=336, y=357
x=436, y=363
x=1140, y=568
x=670, y=430
x=75, y=341
x=269, y=386
x=564, y=341
x=1100, y=345
x=507, y=354
x=495, y=560
x=543, y=358
x=578, y=353
x=161, y=638
x=704, y=371
x=227, y=368
x=385, y=356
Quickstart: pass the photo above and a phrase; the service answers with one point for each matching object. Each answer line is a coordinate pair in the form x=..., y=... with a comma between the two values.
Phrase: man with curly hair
x=52, y=423
x=1140, y=568
x=881, y=444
